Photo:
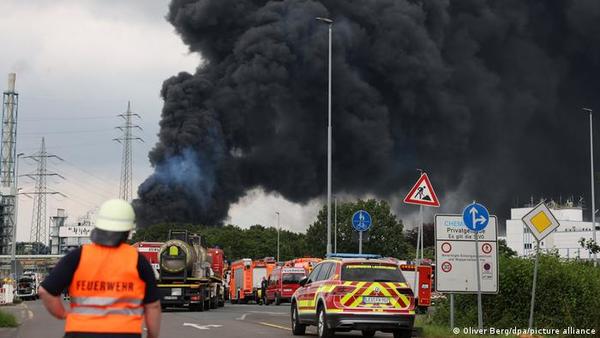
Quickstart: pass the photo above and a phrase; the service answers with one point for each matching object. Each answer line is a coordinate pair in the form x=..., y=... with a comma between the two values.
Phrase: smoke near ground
x=484, y=95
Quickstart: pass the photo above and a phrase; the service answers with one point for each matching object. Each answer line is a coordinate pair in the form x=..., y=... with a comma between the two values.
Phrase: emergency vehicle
x=424, y=283
x=282, y=284
x=246, y=277
x=150, y=250
x=307, y=263
x=354, y=292
x=28, y=285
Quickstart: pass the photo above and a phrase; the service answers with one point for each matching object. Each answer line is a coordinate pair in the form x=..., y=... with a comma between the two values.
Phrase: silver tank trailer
x=183, y=255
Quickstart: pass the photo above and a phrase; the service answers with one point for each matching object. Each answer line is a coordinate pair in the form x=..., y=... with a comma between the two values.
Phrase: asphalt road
x=231, y=321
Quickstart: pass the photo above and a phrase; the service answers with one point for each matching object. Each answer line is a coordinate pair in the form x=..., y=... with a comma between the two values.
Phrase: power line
x=67, y=132
x=72, y=118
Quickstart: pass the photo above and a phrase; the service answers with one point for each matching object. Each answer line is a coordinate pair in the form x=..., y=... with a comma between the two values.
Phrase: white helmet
x=115, y=215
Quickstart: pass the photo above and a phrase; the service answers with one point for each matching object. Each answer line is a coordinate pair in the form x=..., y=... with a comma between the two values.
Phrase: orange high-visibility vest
x=106, y=291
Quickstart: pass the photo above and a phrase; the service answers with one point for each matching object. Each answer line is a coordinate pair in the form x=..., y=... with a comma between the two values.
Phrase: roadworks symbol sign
x=541, y=221
x=422, y=193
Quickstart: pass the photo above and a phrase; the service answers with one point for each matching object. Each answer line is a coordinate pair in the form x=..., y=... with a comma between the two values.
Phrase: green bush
x=567, y=295
x=7, y=320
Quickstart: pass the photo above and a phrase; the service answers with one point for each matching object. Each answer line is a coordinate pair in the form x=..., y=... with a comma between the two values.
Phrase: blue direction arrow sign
x=476, y=216
x=361, y=221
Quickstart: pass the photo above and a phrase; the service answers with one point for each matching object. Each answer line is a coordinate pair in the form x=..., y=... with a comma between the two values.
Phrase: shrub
x=566, y=295
x=7, y=320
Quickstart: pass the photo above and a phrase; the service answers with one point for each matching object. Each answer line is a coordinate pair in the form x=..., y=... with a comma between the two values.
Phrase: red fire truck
x=424, y=283
x=150, y=250
x=246, y=277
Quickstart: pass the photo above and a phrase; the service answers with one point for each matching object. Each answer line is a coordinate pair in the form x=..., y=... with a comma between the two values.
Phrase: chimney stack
x=11, y=82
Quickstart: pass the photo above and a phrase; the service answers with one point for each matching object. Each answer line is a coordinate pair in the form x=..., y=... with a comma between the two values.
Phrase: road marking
x=271, y=313
x=202, y=327
x=275, y=326
x=243, y=317
x=29, y=312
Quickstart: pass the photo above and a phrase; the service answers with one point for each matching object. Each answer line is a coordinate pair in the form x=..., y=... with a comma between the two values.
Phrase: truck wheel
x=298, y=329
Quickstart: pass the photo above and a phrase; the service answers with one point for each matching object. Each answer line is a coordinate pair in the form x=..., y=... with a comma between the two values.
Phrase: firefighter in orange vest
x=112, y=288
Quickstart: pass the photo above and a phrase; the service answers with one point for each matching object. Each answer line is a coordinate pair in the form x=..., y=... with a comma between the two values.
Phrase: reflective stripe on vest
x=104, y=301
x=82, y=310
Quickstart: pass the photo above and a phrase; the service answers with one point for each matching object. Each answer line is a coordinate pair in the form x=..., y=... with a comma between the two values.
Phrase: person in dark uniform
x=263, y=291
x=112, y=287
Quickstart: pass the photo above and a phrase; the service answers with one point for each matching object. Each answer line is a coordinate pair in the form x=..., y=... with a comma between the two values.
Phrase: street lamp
x=329, y=22
x=277, y=213
x=15, y=214
x=592, y=180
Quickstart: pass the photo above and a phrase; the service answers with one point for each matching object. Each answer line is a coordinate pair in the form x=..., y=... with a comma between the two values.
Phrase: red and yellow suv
x=354, y=292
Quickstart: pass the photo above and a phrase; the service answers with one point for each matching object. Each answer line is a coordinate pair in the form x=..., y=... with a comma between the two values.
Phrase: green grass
x=7, y=320
x=431, y=330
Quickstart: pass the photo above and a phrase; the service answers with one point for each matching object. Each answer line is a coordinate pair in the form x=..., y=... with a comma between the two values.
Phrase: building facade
x=63, y=237
x=564, y=240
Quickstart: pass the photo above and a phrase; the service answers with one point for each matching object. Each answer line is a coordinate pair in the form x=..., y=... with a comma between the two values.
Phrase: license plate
x=375, y=300
x=176, y=292
x=170, y=297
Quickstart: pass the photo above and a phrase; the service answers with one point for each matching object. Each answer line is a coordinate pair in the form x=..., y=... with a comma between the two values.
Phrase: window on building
x=527, y=246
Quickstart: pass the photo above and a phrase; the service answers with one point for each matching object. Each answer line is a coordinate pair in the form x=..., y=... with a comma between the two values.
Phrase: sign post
x=535, y=269
x=421, y=194
x=451, y=310
x=541, y=222
x=476, y=218
x=361, y=221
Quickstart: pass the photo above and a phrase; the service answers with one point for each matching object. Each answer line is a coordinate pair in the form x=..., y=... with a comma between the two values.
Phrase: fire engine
x=150, y=250
x=307, y=263
x=246, y=277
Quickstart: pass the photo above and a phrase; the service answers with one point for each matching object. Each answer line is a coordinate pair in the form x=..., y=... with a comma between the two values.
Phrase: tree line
x=386, y=236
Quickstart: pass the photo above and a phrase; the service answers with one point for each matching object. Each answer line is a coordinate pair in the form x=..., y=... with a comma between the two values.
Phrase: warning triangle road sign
x=422, y=193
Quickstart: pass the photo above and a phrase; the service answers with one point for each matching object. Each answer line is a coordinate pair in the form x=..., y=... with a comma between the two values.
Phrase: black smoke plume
x=484, y=95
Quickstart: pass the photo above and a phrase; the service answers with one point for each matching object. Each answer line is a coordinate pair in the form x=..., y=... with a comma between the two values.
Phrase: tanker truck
x=186, y=278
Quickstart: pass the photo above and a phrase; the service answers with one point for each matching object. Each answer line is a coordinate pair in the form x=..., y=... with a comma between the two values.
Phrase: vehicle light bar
x=351, y=255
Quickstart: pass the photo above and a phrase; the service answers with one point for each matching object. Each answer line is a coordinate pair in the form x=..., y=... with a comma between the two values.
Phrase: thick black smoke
x=484, y=95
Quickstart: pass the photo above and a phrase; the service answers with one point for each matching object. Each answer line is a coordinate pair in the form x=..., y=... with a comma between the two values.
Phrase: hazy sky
x=78, y=62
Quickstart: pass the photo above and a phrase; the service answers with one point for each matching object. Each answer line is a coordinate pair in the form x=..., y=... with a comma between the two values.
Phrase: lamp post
x=277, y=213
x=592, y=181
x=335, y=224
x=329, y=22
x=15, y=214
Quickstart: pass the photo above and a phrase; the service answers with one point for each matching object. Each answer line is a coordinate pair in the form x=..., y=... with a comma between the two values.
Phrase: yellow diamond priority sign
x=540, y=221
